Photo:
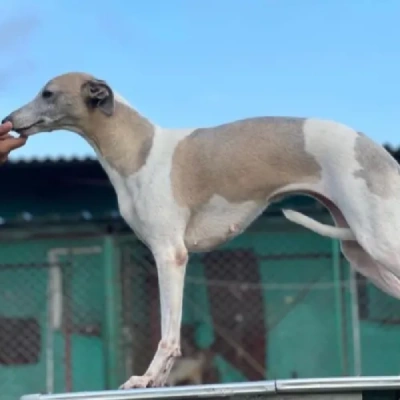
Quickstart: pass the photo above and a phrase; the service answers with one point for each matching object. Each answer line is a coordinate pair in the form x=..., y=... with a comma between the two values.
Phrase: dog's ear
x=97, y=94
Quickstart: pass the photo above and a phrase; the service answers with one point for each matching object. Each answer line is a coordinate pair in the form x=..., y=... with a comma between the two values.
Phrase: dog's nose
x=6, y=119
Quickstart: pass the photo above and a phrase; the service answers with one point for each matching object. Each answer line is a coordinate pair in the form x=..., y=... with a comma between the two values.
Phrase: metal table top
x=262, y=388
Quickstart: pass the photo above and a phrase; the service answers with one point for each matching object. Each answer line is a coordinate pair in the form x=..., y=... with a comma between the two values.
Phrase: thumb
x=5, y=128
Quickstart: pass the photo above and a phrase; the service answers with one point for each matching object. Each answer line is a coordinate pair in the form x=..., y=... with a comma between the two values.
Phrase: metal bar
x=261, y=389
x=338, y=303
x=295, y=256
x=54, y=312
x=337, y=384
x=55, y=300
x=182, y=392
x=355, y=322
x=49, y=346
x=112, y=312
x=66, y=326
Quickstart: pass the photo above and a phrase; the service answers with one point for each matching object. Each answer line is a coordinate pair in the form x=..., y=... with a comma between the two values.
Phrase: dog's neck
x=123, y=140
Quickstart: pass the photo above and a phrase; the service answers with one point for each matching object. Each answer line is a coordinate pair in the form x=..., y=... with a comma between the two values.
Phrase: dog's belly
x=219, y=221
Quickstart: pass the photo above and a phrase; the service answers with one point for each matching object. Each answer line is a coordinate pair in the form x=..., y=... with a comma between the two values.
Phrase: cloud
x=15, y=35
x=16, y=30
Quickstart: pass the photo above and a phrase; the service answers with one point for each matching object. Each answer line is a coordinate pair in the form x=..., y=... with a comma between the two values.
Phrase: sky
x=193, y=63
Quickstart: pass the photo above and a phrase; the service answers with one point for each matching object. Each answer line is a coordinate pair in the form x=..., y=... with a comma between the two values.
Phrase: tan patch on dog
x=124, y=139
x=379, y=169
x=244, y=160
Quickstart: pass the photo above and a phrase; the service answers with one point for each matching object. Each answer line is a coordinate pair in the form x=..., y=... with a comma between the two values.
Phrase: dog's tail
x=318, y=227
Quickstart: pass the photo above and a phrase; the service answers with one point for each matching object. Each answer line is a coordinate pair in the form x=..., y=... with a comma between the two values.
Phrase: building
x=79, y=297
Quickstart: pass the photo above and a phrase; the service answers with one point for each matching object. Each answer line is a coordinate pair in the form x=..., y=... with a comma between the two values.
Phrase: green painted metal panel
x=24, y=292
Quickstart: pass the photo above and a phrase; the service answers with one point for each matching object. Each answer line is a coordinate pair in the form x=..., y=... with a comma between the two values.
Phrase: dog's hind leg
x=362, y=262
x=376, y=224
x=360, y=259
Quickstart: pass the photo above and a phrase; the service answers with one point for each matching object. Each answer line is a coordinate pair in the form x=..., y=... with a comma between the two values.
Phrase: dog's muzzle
x=7, y=119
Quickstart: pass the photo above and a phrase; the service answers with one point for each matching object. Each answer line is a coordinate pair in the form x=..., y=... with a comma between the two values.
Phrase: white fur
x=335, y=154
x=367, y=213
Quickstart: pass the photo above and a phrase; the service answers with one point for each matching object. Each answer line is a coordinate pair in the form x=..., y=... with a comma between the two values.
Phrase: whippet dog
x=190, y=190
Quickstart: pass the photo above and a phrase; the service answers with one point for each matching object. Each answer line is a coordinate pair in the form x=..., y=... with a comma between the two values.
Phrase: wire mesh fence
x=271, y=305
x=50, y=303
x=22, y=310
x=277, y=305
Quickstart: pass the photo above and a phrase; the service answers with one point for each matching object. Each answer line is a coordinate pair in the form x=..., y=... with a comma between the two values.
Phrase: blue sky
x=189, y=63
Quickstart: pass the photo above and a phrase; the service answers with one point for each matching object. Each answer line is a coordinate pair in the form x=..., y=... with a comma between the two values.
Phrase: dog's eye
x=46, y=94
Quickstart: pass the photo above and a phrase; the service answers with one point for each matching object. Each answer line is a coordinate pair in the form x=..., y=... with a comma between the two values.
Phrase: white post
x=355, y=322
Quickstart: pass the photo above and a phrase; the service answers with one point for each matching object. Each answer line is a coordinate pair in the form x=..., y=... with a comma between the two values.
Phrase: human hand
x=8, y=143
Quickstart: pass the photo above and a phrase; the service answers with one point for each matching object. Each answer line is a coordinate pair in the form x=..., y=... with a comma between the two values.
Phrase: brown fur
x=126, y=150
x=244, y=160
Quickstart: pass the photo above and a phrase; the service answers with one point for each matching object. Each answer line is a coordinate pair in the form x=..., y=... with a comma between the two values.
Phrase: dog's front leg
x=171, y=268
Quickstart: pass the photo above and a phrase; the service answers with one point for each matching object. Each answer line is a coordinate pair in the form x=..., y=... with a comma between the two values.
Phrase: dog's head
x=69, y=101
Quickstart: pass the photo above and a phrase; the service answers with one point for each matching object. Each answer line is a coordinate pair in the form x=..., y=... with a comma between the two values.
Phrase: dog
x=191, y=190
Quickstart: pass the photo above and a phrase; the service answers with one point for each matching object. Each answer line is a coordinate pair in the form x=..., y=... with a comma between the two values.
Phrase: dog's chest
x=133, y=207
x=146, y=205
x=128, y=197
x=219, y=221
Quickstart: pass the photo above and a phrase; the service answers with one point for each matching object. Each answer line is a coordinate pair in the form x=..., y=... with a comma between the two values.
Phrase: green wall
x=302, y=322
x=23, y=292
x=302, y=307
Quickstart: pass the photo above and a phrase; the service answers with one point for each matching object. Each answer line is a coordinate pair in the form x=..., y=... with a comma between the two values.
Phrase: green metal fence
x=52, y=316
x=278, y=302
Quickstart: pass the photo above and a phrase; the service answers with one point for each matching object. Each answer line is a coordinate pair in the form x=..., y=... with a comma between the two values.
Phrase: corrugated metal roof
x=52, y=160
x=89, y=158
x=83, y=216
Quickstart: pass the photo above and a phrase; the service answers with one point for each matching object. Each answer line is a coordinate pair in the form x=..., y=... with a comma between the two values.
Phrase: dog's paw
x=136, y=382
